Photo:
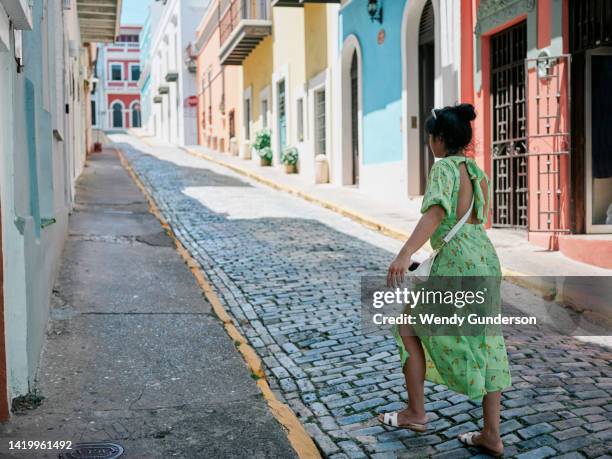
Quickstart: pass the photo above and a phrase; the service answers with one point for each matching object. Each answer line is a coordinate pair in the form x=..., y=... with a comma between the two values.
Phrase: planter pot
x=290, y=169
x=321, y=169
x=245, y=151
x=264, y=161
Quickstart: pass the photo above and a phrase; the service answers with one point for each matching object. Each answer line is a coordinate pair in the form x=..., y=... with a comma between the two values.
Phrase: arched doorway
x=355, y=117
x=117, y=110
x=426, y=61
x=136, y=115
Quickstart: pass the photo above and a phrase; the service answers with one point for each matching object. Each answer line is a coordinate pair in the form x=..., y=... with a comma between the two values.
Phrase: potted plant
x=289, y=158
x=263, y=146
x=265, y=156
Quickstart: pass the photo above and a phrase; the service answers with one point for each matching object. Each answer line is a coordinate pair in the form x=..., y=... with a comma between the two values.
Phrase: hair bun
x=466, y=112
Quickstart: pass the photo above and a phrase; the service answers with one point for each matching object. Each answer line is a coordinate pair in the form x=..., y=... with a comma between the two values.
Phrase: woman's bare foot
x=491, y=443
x=407, y=416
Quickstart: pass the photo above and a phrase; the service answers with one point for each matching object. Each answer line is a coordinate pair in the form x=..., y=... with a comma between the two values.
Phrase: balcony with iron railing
x=123, y=47
x=242, y=26
x=300, y=3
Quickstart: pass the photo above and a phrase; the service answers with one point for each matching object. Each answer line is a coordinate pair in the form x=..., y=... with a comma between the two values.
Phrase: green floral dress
x=471, y=365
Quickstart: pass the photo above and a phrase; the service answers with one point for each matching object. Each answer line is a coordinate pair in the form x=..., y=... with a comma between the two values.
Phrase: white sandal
x=390, y=419
x=467, y=438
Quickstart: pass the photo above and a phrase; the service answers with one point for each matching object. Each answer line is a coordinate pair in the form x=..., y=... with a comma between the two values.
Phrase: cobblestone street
x=288, y=271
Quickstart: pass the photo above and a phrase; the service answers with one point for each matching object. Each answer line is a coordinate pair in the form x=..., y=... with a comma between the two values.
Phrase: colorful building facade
x=218, y=88
x=536, y=71
x=399, y=60
x=353, y=82
x=287, y=51
x=117, y=101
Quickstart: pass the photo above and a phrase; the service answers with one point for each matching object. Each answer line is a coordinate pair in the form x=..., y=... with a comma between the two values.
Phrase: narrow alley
x=134, y=354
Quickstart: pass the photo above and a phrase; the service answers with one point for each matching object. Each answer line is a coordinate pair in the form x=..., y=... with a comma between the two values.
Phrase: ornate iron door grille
x=591, y=24
x=509, y=160
x=549, y=145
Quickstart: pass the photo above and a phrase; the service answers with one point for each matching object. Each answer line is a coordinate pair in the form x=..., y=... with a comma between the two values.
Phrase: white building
x=45, y=75
x=173, y=72
x=116, y=99
x=147, y=91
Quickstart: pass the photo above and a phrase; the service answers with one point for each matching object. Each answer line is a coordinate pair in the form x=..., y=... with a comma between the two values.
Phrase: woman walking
x=476, y=366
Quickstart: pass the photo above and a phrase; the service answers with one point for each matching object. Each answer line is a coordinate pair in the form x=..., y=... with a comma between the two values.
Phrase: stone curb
x=300, y=440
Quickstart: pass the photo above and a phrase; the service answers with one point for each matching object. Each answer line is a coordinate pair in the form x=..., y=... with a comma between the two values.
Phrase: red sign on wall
x=192, y=101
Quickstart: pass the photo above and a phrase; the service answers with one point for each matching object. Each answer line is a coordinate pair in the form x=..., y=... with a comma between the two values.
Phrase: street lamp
x=375, y=11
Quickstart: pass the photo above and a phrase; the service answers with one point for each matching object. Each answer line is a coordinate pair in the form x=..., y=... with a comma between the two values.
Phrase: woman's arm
x=428, y=223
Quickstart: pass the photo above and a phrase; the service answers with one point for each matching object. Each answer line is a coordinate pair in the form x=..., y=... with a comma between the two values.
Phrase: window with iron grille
x=320, y=121
x=509, y=160
x=590, y=24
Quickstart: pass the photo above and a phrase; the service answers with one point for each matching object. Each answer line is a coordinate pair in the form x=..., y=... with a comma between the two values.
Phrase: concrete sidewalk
x=134, y=353
x=399, y=217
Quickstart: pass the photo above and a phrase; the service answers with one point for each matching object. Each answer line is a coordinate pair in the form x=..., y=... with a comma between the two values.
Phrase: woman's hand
x=398, y=268
x=423, y=231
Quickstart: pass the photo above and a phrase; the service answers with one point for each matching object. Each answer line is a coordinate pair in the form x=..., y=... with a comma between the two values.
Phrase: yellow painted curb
x=301, y=442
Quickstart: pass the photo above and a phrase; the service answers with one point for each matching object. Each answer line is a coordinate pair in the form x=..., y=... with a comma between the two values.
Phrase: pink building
x=218, y=86
x=538, y=73
x=116, y=102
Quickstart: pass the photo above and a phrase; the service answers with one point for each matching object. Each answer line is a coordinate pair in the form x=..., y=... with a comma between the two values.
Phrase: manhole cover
x=101, y=450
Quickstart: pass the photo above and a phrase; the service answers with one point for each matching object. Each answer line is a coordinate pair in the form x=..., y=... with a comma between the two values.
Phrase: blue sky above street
x=134, y=11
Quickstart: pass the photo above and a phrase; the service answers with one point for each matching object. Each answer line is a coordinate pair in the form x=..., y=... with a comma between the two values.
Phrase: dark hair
x=452, y=125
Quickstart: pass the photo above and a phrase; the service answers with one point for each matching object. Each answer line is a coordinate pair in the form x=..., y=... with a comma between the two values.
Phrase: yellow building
x=287, y=86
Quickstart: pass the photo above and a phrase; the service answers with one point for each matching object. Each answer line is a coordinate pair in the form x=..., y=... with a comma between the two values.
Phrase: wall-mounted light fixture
x=375, y=10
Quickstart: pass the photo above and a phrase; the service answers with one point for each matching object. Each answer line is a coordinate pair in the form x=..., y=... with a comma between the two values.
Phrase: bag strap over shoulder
x=455, y=229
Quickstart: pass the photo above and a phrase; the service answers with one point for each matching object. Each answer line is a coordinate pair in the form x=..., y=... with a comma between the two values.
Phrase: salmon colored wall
x=543, y=141
x=467, y=53
x=224, y=79
x=544, y=23
x=543, y=144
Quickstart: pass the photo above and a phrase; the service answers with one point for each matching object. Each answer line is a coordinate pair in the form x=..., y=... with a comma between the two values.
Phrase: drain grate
x=100, y=450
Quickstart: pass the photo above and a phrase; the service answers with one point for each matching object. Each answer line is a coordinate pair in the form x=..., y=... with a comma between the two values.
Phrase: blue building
x=398, y=59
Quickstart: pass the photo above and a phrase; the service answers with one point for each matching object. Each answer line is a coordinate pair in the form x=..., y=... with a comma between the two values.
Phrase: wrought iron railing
x=549, y=141
x=240, y=10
